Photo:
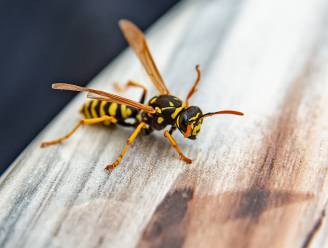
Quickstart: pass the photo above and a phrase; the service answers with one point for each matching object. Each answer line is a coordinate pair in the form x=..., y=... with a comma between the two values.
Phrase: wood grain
x=255, y=181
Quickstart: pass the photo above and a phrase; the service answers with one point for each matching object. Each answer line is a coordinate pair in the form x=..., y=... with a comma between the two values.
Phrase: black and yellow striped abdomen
x=97, y=108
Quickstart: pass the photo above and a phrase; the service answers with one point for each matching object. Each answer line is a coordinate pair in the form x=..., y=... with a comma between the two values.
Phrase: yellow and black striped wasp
x=164, y=110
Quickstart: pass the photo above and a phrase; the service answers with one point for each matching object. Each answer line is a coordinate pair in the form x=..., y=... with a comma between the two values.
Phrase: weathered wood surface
x=256, y=181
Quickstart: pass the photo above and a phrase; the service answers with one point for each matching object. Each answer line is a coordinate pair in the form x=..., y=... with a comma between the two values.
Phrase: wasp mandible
x=164, y=110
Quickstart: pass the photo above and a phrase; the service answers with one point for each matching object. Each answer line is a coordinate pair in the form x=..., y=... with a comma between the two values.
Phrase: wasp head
x=189, y=122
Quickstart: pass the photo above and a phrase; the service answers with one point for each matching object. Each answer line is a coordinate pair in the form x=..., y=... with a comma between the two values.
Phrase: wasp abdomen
x=96, y=108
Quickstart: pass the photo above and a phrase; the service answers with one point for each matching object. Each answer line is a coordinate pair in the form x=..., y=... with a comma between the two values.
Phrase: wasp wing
x=102, y=95
x=137, y=41
x=122, y=100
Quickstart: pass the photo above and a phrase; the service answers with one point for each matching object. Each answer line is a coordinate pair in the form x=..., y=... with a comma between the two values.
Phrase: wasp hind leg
x=132, y=83
x=82, y=122
x=168, y=135
x=133, y=136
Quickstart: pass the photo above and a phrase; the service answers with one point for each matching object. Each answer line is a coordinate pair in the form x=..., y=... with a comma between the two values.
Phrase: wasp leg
x=132, y=83
x=172, y=129
x=194, y=87
x=134, y=135
x=176, y=147
x=92, y=121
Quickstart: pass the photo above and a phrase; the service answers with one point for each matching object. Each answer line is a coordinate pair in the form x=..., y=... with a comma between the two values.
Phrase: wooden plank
x=256, y=181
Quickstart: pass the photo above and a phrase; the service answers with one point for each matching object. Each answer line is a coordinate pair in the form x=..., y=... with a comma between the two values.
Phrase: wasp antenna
x=194, y=87
x=223, y=112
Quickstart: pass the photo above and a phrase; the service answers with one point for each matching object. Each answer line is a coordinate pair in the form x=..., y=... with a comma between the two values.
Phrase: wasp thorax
x=189, y=122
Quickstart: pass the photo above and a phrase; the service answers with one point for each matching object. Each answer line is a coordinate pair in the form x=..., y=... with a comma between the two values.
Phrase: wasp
x=161, y=111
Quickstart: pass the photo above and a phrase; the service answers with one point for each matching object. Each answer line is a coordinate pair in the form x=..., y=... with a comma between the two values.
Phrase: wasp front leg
x=168, y=135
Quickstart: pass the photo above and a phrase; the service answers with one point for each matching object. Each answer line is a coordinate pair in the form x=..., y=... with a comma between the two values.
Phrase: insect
x=162, y=111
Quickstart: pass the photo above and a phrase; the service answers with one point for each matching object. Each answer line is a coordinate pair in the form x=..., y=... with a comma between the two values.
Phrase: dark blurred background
x=46, y=41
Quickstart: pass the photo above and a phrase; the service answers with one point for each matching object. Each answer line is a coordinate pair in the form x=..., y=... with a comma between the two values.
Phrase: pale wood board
x=255, y=181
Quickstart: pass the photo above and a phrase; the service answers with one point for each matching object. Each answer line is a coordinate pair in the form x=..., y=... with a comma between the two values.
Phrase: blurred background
x=46, y=41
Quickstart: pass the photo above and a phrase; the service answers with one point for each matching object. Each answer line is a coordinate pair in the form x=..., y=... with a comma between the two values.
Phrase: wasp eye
x=184, y=118
x=183, y=121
